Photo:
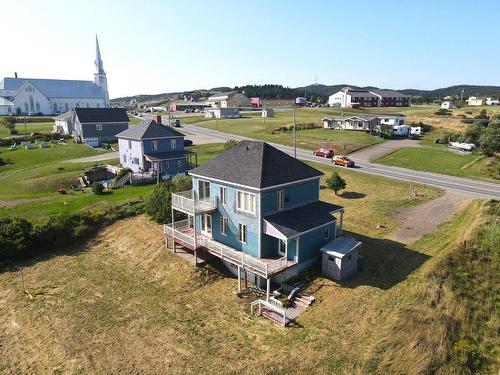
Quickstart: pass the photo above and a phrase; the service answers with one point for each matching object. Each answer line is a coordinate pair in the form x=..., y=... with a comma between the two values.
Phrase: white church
x=24, y=96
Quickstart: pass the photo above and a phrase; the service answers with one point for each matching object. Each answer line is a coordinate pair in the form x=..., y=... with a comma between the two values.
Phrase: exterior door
x=206, y=224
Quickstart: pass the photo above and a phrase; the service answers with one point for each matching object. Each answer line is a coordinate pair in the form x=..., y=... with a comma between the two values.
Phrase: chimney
x=158, y=119
x=15, y=74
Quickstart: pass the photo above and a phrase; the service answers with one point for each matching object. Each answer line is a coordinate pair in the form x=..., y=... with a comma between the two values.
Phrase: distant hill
x=317, y=91
x=469, y=90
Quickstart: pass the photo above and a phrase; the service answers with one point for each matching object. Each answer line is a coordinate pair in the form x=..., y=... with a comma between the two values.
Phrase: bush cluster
x=22, y=239
x=158, y=205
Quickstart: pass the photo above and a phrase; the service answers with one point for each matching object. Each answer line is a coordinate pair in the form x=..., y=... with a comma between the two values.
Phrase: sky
x=151, y=47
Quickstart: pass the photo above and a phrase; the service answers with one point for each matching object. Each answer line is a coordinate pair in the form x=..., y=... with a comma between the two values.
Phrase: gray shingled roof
x=149, y=129
x=65, y=116
x=299, y=220
x=389, y=93
x=221, y=95
x=360, y=93
x=101, y=115
x=256, y=164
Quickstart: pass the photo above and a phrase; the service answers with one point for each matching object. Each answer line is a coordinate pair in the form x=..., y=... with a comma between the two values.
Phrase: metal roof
x=389, y=94
x=57, y=88
x=341, y=246
x=256, y=164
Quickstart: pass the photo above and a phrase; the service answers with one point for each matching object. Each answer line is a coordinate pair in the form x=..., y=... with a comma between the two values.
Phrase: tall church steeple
x=99, y=75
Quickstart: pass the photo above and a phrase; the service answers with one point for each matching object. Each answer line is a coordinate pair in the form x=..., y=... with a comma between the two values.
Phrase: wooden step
x=272, y=315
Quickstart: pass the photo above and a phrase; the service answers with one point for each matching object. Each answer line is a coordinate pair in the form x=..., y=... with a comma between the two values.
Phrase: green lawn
x=31, y=127
x=254, y=126
x=37, y=174
x=438, y=159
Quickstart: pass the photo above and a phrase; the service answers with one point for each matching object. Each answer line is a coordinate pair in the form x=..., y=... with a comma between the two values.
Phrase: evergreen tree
x=336, y=183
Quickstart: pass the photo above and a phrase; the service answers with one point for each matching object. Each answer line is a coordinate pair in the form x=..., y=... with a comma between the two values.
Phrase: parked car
x=343, y=160
x=177, y=123
x=325, y=152
x=188, y=142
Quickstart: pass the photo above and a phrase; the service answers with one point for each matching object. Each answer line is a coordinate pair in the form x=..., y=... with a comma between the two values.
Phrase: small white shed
x=340, y=258
x=447, y=105
x=267, y=112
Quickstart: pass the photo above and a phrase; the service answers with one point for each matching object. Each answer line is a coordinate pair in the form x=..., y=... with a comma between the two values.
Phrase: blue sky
x=160, y=46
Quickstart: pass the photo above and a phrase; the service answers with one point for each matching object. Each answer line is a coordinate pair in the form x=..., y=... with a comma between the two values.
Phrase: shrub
x=97, y=188
x=15, y=236
x=490, y=139
x=467, y=120
x=482, y=115
x=230, y=144
x=335, y=182
x=448, y=137
x=158, y=204
x=473, y=133
x=443, y=112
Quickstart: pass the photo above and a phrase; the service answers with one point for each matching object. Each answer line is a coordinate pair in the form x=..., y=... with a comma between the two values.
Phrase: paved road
x=471, y=187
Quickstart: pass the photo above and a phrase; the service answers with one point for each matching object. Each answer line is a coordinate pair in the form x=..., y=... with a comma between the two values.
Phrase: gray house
x=94, y=126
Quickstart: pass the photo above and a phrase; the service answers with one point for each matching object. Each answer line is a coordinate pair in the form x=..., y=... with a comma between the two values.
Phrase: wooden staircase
x=274, y=310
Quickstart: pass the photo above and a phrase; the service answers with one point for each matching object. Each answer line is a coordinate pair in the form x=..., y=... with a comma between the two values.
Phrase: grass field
x=438, y=159
x=123, y=304
x=31, y=127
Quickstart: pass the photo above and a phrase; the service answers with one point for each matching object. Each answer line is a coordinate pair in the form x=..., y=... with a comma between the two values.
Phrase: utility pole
x=294, y=135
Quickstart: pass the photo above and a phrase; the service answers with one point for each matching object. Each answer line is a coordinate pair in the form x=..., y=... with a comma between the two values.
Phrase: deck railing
x=175, y=230
x=185, y=201
x=237, y=257
x=268, y=305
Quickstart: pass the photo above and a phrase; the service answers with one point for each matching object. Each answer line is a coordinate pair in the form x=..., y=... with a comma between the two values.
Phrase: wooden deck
x=264, y=267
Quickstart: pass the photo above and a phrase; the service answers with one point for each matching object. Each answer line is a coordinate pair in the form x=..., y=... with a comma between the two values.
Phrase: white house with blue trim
x=156, y=148
x=258, y=209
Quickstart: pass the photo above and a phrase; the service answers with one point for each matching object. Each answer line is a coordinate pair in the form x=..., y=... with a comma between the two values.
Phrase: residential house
x=447, y=105
x=229, y=99
x=369, y=123
x=229, y=112
x=349, y=98
x=94, y=126
x=476, y=101
x=492, y=101
x=154, y=148
x=63, y=124
x=257, y=209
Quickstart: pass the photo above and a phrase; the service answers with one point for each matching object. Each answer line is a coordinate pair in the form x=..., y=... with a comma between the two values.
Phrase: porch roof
x=159, y=156
x=302, y=219
x=341, y=246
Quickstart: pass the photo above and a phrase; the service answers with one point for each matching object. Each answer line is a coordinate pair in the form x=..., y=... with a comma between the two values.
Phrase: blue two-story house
x=154, y=148
x=258, y=209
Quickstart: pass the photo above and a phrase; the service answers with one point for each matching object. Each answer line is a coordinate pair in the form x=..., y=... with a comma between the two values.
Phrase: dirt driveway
x=376, y=151
x=419, y=220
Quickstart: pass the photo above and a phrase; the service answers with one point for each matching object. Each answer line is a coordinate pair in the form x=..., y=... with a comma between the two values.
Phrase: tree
x=230, y=144
x=15, y=236
x=482, y=115
x=473, y=133
x=97, y=188
x=490, y=139
x=336, y=183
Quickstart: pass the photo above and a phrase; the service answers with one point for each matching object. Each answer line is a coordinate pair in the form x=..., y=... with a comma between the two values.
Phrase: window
x=281, y=247
x=32, y=105
x=173, y=143
x=154, y=145
x=281, y=200
x=327, y=233
x=124, y=157
x=98, y=127
x=243, y=233
x=203, y=189
x=136, y=160
x=130, y=145
x=223, y=225
x=223, y=195
x=246, y=202
x=167, y=165
x=37, y=107
x=25, y=107
x=179, y=163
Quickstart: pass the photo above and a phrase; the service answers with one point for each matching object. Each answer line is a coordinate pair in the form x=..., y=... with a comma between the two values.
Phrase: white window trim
x=173, y=143
x=327, y=233
x=154, y=145
x=224, y=224
x=223, y=195
x=98, y=127
x=250, y=201
x=245, y=230
x=280, y=197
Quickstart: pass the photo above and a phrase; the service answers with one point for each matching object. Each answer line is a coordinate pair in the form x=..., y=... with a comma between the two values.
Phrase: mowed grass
x=254, y=126
x=31, y=127
x=438, y=160
x=28, y=186
x=124, y=304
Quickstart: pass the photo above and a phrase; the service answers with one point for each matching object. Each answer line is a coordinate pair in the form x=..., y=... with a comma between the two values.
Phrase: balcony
x=186, y=202
x=182, y=232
